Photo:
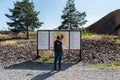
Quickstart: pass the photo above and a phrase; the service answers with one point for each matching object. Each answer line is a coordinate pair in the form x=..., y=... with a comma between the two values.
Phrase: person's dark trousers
x=58, y=57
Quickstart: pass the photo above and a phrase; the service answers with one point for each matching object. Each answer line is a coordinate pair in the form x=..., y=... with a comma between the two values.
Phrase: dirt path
x=43, y=71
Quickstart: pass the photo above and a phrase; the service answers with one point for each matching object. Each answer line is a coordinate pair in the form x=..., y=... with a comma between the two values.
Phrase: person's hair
x=58, y=37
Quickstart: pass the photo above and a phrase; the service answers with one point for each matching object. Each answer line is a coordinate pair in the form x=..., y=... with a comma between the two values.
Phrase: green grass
x=46, y=59
x=93, y=36
x=99, y=66
x=117, y=41
x=32, y=32
x=88, y=35
x=113, y=65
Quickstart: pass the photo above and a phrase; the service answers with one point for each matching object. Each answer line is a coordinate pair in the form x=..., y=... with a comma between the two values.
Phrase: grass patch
x=4, y=36
x=117, y=41
x=9, y=43
x=112, y=65
x=32, y=32
x=93, y=36
x=46, y=59
x=87, y=35
x=99, y=66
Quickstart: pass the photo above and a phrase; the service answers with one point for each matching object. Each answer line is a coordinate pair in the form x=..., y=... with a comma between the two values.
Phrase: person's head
x=58, y=37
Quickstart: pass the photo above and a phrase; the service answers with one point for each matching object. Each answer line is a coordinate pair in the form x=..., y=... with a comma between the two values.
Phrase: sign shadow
x=47, y=68
x=32, y=65
x=44, y=75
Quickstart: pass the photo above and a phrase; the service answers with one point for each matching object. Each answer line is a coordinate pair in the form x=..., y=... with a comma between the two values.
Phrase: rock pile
x=71, y=56
x=91, y=52
x=13, y=54
x=100, y=51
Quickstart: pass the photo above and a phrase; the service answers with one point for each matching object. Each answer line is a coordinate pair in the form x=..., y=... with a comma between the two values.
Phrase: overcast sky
x=51, y=10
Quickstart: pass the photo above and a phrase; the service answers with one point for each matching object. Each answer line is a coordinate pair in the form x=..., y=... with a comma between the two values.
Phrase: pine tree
x=72, y=19
x=23, y=17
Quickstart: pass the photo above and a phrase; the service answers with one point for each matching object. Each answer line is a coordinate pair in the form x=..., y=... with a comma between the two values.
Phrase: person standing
x=58, y=50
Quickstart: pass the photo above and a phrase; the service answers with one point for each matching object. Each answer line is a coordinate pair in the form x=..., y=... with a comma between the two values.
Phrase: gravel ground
x=43, y=71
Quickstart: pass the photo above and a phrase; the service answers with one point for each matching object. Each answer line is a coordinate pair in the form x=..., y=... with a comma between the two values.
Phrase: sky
x=51, y=11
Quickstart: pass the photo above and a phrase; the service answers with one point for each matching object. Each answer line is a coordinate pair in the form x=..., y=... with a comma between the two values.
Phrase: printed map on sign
x=63, y=34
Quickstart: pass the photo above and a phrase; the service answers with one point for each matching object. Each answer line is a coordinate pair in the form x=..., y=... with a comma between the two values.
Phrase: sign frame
x=49, y=31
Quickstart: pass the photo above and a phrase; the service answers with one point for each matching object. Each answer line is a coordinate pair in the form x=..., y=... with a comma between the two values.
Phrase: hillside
x=107, y=24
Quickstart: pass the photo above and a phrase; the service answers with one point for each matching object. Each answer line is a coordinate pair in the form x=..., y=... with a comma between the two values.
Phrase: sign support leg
x=38, y=56
x=80, y=56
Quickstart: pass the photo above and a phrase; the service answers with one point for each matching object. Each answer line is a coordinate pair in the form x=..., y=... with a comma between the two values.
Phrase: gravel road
x=43, y=71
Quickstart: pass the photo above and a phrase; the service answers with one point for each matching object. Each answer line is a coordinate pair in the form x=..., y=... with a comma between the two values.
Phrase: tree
x=72, y=19
x=23, y=17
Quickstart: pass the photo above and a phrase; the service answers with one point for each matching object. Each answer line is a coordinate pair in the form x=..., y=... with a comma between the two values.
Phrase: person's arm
x=53, y=46
x=62, y=46
x=62, y=49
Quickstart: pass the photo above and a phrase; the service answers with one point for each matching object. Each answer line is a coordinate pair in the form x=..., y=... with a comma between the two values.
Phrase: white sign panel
x=63, y=34
x=70, y=39
x=43, y=39
x=74, y=39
